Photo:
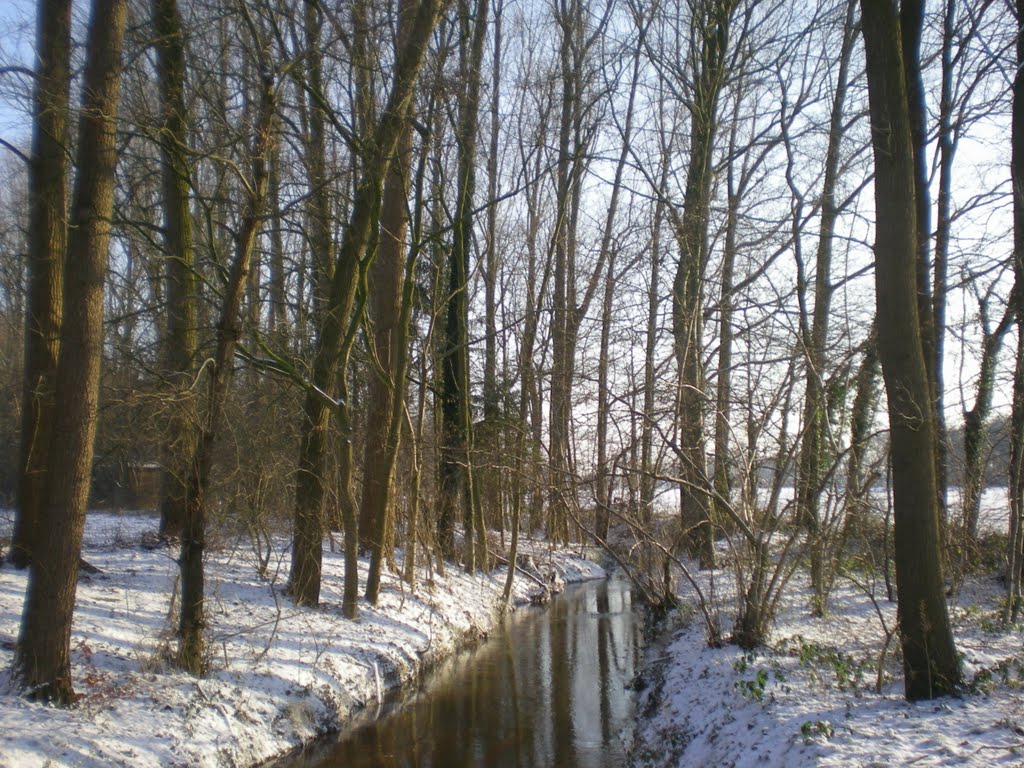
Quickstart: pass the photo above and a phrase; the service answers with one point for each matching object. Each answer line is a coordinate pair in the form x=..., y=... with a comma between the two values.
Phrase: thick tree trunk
x=930, y=662
x=457, y=432
x=569, y=18
x=688, y=286
x=491, y=439
x=180, y=340
x=911, y=24
x=47, y=242
x=311, y=484
x=42, y=658
x=1015, y=551
x=389, y=305
x=1015, y=573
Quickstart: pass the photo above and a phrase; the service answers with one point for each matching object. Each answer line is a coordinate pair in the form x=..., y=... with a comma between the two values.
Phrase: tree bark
x=457, y=420
x=192, y=619
x=976, y=422
x=687, y=288
x=389, y=306
x=1015, y=573
x=42, y=658
x=47, y=243
x=180, y=341
x=930, y=662
x=491, y=438
x=307, y=552
x=647, y=461
x=607, y=254
x=337, y=334
x=911, y=23
x=862, y=415
x=814, y=449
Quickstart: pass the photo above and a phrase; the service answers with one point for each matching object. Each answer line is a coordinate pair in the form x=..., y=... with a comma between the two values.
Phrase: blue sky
x=17, y=30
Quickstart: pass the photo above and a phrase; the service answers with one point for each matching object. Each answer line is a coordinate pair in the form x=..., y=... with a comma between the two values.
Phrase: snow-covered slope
x=279, y=675
x=810, y=699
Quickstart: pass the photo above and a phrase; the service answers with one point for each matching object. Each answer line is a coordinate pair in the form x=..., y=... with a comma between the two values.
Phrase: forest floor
x=822, y=693
x=279, y=676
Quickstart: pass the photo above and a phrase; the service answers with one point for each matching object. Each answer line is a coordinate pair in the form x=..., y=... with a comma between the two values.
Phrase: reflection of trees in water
x=548, y=689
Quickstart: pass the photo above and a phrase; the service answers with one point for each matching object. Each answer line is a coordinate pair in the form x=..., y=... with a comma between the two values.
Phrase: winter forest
x=358, y=296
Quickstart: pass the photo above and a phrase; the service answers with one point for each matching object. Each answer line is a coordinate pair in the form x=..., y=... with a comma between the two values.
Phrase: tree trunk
x=180, y=342
x=192, y=620
x=687, y=288
x=607, y=253
x=339, y=324
x=723, y=385
x=569, y=18
x=1016, y=552
x=456, y=449
x=42, y=658
x=47, y=243
x=976, y=422
x=930, y=662
x=647, y=463
x=278, y=320
x=389, y=305
x=490, y=439
x=530, y=407
x=416, y=431
x=865, y=402
x=911, y=24
x=307, y=551
x=947, y=143
x=814, y=451
x=602, y=479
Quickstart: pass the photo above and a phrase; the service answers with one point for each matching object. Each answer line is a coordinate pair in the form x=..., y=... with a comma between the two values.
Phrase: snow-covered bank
x=810, y=698
x=279, y=675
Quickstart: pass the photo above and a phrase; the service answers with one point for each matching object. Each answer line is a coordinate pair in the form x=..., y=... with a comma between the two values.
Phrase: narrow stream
x=549, y=688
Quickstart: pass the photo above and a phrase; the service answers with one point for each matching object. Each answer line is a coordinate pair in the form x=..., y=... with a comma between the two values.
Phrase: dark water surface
x=547, y=689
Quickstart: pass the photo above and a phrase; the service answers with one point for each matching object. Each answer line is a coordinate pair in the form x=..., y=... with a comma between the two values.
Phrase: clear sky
x=17, y=31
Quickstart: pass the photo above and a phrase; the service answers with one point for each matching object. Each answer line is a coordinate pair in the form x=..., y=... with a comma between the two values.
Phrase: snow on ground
x=279, y=675
x=810, y=697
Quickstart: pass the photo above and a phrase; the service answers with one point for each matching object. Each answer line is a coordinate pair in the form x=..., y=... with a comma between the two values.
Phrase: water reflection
x=548, y=689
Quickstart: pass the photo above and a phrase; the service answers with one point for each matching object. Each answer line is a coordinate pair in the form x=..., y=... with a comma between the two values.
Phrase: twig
x=519, y=568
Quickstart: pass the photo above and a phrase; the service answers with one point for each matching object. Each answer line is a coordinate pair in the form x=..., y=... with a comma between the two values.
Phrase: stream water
x=548, y=688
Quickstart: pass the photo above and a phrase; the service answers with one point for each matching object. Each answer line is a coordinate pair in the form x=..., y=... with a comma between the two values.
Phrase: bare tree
x=42, y=658
x=327, y=389
x=192, y=619
x=579, y=34
x=607, y=254
x=708, y=67
x=930, y=662
x=814, y=452
x=181, y=338
x=457, y=492
x=1015, y=555
x=46, y=247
